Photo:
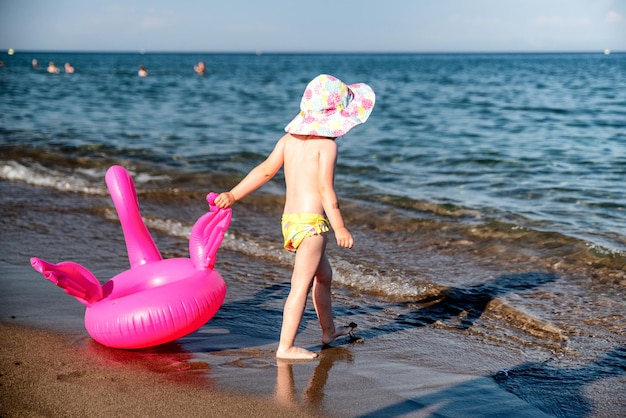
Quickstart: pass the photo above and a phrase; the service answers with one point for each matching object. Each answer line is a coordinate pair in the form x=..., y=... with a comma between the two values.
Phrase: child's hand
x=344, y=238
x=224, y=200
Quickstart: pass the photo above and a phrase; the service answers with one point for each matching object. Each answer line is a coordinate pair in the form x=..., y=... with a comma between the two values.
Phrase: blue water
x=484, y=194
x=534, y=139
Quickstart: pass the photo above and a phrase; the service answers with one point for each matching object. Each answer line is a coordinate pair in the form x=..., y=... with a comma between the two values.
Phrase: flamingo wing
x=75, y=279
x=207, y=234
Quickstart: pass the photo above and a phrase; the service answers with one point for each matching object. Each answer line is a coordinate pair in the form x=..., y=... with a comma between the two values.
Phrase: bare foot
x=339, y=331
x=295, y=353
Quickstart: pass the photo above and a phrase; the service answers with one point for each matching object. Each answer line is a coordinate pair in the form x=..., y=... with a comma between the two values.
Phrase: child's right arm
x=256, y=178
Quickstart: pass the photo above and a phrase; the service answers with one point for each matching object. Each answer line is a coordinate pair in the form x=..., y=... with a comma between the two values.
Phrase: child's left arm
x=326, y=179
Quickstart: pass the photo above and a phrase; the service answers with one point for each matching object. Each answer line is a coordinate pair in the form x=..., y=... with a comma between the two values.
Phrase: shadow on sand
x=464, y=305
x=543, y=390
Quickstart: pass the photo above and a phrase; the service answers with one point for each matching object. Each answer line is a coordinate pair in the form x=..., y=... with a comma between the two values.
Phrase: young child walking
x=308, y=153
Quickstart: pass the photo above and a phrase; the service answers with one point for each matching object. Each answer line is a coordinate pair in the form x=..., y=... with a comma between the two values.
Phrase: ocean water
x=485, y=192
x=535, y=140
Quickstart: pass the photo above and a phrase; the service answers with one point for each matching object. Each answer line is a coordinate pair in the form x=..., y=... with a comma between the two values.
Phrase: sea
x=485, y=193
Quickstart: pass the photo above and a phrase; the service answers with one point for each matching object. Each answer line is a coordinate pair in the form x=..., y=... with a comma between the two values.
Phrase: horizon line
x=12, y=51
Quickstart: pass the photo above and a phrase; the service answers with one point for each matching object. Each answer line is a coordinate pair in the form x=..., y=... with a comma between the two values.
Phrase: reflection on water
x=313, y=395
x=171, y=362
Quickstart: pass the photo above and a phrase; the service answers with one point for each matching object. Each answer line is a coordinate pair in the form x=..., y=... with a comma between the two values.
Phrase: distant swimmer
x=68, y=68
x=142, y=71
x=199, y=68
x=35, y=63
x=53, y=69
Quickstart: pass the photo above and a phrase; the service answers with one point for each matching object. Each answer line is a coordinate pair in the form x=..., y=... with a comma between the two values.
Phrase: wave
x=40, y=176
x=346, y=274
x=88, y=181
x=459, y=228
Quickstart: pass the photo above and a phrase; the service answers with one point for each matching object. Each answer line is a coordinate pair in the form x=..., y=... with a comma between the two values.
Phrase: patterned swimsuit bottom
x=298, y=226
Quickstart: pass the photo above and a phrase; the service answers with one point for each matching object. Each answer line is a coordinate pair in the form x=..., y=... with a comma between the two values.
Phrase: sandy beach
x=44, y=375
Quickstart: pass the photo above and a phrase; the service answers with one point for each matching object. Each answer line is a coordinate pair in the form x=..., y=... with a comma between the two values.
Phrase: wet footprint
x=72, y=376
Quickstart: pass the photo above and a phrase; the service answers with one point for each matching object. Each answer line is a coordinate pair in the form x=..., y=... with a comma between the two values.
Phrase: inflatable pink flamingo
x=156, y=300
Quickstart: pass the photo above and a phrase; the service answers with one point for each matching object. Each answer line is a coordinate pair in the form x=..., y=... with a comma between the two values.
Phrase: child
x=308, y=152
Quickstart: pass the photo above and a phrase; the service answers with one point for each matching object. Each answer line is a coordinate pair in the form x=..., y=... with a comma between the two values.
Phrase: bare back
x=309, y=164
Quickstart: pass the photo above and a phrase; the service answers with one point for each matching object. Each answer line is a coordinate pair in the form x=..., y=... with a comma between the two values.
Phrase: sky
x=314, y=26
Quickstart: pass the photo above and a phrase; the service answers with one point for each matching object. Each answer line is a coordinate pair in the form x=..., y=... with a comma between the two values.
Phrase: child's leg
x=323, y=302
x=306, y=264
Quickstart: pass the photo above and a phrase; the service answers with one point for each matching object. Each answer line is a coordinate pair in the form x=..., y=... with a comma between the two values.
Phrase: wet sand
x=43, y=374
x=55, y=369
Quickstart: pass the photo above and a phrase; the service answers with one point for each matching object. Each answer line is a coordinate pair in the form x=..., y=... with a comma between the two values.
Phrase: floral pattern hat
x=331, y=108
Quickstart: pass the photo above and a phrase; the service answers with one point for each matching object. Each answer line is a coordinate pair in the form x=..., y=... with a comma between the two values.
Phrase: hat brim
x=336, y=123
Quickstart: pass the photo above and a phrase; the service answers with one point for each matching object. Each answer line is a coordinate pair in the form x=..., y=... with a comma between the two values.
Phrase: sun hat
x=331, y=108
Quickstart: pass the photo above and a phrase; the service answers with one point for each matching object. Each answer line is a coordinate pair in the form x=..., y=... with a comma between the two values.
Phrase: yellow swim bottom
x=298, y=226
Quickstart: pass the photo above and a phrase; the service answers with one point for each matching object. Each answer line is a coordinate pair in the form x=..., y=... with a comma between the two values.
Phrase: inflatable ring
x=155, y=301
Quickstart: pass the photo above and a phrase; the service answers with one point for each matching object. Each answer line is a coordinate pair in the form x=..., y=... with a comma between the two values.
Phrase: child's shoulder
x=309, y=139
x=308, y=143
